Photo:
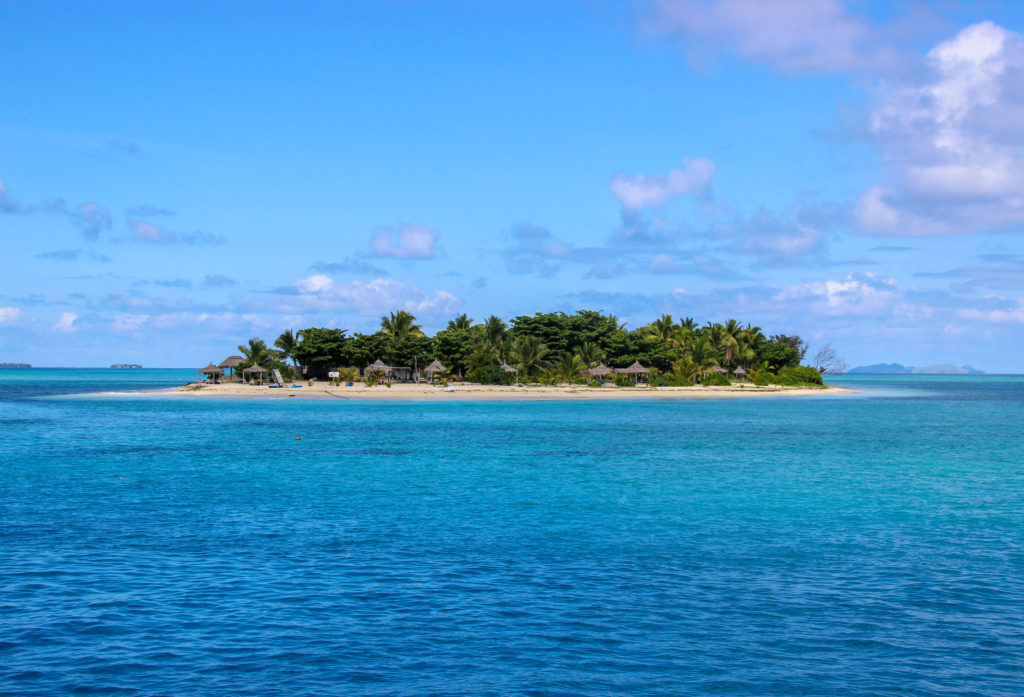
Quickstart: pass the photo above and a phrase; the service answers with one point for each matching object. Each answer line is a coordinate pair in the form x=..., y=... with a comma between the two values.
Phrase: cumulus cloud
x=953, y=141
x=9, y=315
x=66, y=323
x=640, y=191
x=144, y=231
x=404, y=242
x=775, y=241
x=791, y=36
x=857, y=294
x=319, y=292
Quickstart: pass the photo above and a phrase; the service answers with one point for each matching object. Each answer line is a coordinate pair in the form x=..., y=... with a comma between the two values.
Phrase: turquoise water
x=867, y=545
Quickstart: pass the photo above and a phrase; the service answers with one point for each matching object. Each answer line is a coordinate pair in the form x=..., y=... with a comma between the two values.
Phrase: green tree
x=286, y=344
x=530, y=353
x=462, y=321
x=321, y=349
x=256, y=352
x=455, y=348
x=399, y=325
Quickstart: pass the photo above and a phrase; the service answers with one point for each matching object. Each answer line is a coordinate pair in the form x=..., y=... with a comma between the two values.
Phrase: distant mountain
x=897, y=369
x=15, y=365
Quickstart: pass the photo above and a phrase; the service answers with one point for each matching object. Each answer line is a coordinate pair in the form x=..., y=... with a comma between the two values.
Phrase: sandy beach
x=473, y=392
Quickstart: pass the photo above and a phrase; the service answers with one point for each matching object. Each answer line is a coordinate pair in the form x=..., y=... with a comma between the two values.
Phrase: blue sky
x=179, y=177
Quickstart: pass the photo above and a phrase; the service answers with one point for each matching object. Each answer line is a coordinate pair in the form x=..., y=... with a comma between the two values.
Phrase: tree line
x=546, y=346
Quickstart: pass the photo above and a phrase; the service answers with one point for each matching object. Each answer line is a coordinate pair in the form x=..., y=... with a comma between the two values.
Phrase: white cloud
x=1011, y=316
x=953, y=141
x=321, y=293
x=793, y=36
x=143, y=231
x=66, y=323
x=404, y=242
x=635, y=193
x=857, y=294
x=9, y=315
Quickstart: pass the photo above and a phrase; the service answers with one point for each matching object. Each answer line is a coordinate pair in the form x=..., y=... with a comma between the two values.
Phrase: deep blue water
x=867, y=545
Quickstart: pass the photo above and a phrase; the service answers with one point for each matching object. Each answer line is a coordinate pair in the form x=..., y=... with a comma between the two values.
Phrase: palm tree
x=463, y=321
x=400, y=325
x=684, y=369
x=732, y=335
x=661, y=327
x=702, y=354
x=591, y=354
x=256, y=352
x=530, y=352
x=348, y=374
x=569, y=368
x=286, y=344
x=493, y=333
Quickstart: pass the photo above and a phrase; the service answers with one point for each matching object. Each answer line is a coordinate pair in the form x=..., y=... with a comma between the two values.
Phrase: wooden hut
x=599, y=371
x=431, y=370
x=230, y=364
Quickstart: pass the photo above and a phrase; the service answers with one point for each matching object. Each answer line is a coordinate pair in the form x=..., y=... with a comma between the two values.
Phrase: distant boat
x=126, y=366
x=15, y=365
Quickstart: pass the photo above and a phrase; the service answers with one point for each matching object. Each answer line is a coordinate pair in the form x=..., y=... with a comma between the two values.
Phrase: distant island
x=897, y=369
x=126, y=366
x=15, y=365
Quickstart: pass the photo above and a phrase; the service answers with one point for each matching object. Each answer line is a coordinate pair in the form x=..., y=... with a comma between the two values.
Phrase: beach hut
x=740, y=373
x=509, y=369
x=719, y=369
x=636, y=370
x=211, y=370
x=229, y=364
x=431, y=370
x=599, y=371
x=378, y=366
x=254, y=371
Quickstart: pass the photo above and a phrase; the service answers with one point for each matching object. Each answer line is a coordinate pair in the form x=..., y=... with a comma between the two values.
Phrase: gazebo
x=719, y=369
x=378, y=366
x=636, y=370
x=254, y=370
x=599, y=371
x=211, y=370
x=433, y=369
x=740, y=372
x=231, y=363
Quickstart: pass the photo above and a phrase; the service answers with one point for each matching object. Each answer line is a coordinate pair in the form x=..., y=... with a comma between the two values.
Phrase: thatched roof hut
x=435, y=367
x=254, y=369
x=739, y=371
x=635, y=369
x=599, y=371
x=509, y=369
x=231, y=362
x=379, y=365
x=719, y=369
x=211, y=369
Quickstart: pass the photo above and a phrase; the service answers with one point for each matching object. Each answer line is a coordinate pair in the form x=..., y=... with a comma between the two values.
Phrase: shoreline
x=410, y=392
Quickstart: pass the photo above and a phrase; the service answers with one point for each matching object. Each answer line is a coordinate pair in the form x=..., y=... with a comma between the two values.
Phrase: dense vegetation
x=550, y=347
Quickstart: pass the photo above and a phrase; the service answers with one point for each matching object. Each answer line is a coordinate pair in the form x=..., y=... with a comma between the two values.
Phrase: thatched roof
x=635, y=369
x=719, y=369
x=379, y=365
x=739, y=371
x=599, y=370
x=435, y=367
x=211, y=369
x=254, y=369
x=231, y=362
x=509, y=369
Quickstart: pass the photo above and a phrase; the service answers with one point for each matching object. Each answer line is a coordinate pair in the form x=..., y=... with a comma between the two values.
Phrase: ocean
x=870, y=544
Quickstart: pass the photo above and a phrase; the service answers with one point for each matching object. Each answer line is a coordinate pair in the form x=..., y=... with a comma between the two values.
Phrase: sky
x=176, y=178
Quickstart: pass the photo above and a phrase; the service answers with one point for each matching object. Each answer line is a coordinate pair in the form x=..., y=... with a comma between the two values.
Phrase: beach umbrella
x=598, y=371
x=435, y=367
x=719, y=369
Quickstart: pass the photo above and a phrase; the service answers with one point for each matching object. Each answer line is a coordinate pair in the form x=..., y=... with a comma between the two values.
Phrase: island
x=586, y=354
x=126, y=366
x=15, y=365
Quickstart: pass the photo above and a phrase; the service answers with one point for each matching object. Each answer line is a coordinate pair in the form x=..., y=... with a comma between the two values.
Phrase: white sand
x=471, y=392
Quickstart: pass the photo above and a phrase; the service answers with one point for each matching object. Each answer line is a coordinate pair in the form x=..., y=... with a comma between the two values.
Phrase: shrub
x=491, y=375
x=715, y=379
x=803, y=374
x=622, y=381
